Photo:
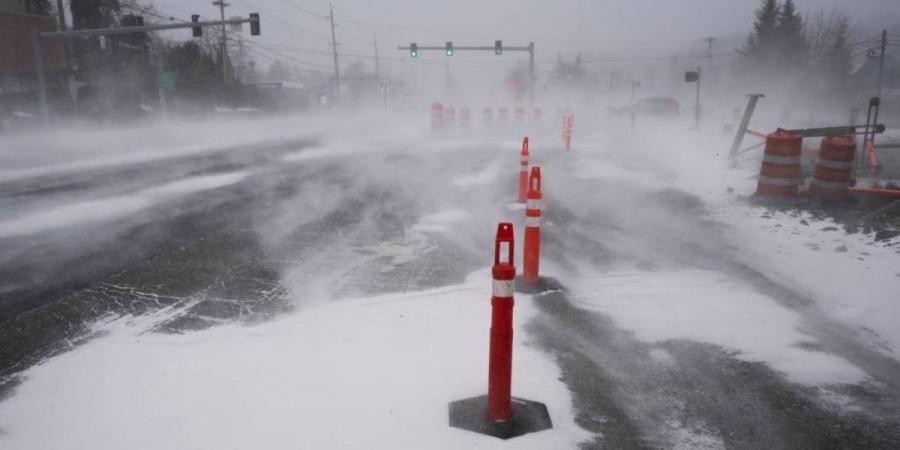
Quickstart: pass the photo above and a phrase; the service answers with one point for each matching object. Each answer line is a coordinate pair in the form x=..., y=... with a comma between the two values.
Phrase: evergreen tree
x=41, y=7
x=789, y=37
x=761, y=47
x=838, y=60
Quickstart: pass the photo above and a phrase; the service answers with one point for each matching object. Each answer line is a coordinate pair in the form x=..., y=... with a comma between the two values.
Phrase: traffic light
x=414, y=50
x=498, y=47
x=449, y=48
x=198, y=31
x=254, y=24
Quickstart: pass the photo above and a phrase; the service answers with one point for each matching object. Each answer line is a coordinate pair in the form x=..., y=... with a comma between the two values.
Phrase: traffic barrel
x=520, y=114
x=487, y=116
x=437, y=115
x=449, y=116
x=779, y=175
x=465, y=116
x=503, y=116
x=532, y=253
x=500, y=353
x=831, y=177
x=523, y=171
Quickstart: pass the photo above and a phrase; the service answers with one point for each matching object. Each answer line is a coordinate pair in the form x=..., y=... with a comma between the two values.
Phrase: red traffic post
x=500, y=358
x=532, y=253
x=498, y=414
x=437, y=115
x=523, y=171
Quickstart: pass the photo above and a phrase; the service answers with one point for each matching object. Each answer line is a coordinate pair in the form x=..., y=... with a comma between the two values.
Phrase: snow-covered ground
x=378, y=371
x=375, y=372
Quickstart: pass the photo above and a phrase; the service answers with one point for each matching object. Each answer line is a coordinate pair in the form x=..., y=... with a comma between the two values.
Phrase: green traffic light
x=449, y=52
x=413, y=54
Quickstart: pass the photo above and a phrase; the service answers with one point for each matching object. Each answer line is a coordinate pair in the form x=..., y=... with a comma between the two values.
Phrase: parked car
x=657, y=107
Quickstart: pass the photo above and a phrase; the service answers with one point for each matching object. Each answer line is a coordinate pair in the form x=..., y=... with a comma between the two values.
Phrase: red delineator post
x=437, y=115
x=523, y=171
x=500, y=358
x=568, y=124
x=532, y=253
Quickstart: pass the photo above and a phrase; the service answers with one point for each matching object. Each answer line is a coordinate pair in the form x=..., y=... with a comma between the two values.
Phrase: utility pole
x=881, y=61
x=377, y=68
x=337, y=70
x=532, y=80
x=224, y=45
x=67, y=53
x=709, y=57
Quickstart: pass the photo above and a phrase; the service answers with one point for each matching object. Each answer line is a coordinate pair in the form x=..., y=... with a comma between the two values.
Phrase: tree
x=828, y=35
x=41, y=7
x=761, y=48
x=789, y=37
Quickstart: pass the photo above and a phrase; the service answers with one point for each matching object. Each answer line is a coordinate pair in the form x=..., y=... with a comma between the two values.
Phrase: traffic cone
x=523, y=171
x=532, y=253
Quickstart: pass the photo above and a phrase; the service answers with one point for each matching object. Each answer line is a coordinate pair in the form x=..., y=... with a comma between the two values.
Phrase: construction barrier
x=449, y=116
x=532, y=253
x=831, y=177
x=487, y=116
x=503, y=116
x=523, y=171
x=465, y=116
x=437, y=115
x=520, y=114
x=500, y=353
x=779, y=175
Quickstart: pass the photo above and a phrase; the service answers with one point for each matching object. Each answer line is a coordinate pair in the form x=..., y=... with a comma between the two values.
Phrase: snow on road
x=366, y=373
x=86, y=212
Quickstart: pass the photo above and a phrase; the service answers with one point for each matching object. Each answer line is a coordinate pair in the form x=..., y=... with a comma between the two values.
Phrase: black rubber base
x=527, y=417
x=543, y=284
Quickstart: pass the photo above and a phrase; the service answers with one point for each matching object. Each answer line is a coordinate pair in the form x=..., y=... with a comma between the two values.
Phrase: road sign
x=168, y=79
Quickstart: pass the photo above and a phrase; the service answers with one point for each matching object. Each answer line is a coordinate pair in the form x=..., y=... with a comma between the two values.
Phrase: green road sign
x=167, y=79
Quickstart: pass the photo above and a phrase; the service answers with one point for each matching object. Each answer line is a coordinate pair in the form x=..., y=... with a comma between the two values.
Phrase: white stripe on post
x=503, y=288
x=532, y=222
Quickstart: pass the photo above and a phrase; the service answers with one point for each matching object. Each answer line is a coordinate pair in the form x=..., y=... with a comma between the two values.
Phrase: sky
x=561, y=27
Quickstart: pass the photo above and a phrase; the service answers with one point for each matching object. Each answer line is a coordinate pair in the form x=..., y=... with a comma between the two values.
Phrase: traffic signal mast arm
x=127, y=30
x=456, y=48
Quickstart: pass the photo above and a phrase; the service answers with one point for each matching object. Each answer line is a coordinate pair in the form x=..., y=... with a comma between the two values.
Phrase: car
x=657, y=107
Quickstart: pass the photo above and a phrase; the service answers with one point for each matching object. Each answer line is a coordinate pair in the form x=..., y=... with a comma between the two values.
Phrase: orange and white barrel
x=465, y=116
x=779, y=175
x=520, y=114
x=487, y=116
x=831, y=177
x=449, y=116
x=503, y=116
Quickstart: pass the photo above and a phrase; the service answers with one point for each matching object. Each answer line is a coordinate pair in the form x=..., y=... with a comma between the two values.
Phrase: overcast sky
x=595, y=27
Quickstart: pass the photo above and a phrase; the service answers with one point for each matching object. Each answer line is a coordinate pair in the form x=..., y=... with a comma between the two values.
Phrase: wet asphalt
x=289, y=230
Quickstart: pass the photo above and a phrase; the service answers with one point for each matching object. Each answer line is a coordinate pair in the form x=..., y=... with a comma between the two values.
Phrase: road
x=252, y=231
